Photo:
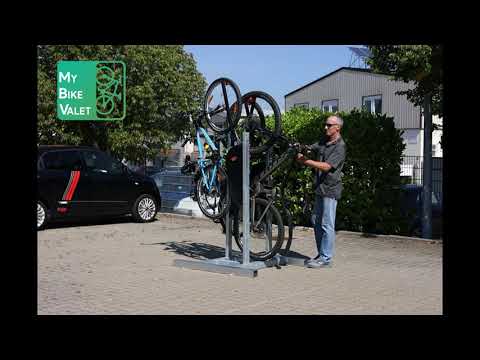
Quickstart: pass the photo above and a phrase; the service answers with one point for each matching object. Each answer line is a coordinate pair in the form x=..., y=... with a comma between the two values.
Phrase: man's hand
x=301, y=158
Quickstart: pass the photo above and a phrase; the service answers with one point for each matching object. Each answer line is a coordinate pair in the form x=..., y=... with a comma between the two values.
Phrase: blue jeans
x=323, y=220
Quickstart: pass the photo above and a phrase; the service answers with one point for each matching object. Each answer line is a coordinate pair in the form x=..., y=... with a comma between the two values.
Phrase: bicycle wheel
x=260, y=112
x=266, y=230
x=287, y=215
x=220, y=115
x=213, y=200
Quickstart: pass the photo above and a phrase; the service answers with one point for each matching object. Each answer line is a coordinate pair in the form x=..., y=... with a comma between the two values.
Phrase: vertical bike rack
x=230, y=264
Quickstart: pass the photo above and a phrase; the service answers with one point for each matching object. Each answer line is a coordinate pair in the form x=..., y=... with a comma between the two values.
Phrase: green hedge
x=371, y=194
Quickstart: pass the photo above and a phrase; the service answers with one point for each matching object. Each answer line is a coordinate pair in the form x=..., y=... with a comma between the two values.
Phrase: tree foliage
x=162, y=82
x=421, y=64
x=371, y=183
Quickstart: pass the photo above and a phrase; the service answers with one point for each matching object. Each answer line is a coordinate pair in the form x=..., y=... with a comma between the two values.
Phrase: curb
x=391, y=237
x=366, y=235
x=181, y=216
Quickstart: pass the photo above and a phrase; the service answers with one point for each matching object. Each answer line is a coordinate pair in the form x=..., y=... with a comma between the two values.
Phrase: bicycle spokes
x=213, y=194
x=217, y=105
x=261, y=117
x=266, y=230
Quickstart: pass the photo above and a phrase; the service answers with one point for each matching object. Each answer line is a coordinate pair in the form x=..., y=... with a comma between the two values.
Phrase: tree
x=162, y=83
x=421, y=64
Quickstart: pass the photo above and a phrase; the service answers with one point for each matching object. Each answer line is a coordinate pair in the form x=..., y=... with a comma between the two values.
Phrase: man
x=328, y=165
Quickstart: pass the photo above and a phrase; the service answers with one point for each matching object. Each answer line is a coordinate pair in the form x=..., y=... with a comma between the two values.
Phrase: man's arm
x=320, y=165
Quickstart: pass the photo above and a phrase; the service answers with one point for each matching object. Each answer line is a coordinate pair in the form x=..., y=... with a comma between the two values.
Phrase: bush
x=370, y=200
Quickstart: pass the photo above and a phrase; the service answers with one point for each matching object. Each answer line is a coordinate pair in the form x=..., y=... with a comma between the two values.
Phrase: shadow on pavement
x=200, y=251
x=294, y=254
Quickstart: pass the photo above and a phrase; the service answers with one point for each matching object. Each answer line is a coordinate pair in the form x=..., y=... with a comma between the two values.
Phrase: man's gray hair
x=339, y=120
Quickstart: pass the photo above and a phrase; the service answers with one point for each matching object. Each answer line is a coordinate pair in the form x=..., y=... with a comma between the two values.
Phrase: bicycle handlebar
x=298, y=147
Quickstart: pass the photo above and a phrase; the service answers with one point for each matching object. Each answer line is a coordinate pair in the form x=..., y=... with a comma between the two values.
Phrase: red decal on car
x=72, y=185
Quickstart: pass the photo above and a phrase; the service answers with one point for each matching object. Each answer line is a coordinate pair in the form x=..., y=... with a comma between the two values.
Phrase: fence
x=412, y=172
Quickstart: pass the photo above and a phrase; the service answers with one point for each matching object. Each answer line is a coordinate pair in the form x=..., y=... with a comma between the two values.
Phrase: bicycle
x=256, y=107
x=220, y=94
x=212, y=188
x=266, y=223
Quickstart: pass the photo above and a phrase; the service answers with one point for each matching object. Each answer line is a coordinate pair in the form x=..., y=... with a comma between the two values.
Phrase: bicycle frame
x=202, y=161
x=267, y=172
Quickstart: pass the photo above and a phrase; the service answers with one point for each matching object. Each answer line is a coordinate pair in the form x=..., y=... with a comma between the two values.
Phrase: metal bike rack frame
x=229, y=264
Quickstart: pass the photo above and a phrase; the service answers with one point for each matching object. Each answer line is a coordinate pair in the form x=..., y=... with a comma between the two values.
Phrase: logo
x=91, y=90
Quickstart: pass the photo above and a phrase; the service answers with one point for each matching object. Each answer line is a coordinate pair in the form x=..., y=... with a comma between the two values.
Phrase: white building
x=347, y=88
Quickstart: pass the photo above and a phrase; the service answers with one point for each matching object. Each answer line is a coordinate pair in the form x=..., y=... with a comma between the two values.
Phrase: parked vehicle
x=77, y=182
x=413, y=204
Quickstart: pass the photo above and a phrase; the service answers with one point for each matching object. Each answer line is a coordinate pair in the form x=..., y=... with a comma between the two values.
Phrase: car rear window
x=62, y=160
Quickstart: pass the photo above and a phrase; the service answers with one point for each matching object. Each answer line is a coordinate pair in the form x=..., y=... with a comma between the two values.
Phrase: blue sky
x=275, y=69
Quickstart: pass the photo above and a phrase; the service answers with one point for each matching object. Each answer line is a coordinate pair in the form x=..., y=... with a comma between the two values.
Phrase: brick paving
x=127, y=268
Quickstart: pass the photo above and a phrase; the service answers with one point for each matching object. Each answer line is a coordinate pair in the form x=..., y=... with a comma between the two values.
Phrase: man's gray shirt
x=329, y=184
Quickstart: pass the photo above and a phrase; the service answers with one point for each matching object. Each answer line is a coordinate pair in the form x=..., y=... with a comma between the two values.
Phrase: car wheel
x=41, y=215
x=145, y=208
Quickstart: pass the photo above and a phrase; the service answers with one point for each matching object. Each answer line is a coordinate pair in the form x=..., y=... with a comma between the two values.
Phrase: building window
x=372, y=104
x=330, y=105
x=304, y=105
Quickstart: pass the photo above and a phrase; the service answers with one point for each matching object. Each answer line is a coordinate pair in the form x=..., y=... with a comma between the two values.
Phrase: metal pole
x=427, y=169
x=228, y=234
x=268, y=242
x=246, y=197
x=228, y=228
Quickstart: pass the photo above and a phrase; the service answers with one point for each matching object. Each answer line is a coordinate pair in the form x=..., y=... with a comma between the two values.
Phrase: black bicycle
x=258, y=111
x=221, y=105
x=267, y=231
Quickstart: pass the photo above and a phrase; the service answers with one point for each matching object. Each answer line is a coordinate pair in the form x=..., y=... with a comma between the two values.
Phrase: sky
x=274, y=69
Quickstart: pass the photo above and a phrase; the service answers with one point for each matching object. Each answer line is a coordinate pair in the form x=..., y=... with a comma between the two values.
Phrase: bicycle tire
x=288, y=216
x=232, y=117
x=276, y=219
x=224, y=198
x=250, y=98
x=236, y=138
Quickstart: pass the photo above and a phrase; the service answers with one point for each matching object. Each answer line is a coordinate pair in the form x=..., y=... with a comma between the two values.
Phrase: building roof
x=333, y=72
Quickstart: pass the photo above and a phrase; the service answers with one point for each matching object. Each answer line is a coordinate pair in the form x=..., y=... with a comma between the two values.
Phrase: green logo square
x=91, y=90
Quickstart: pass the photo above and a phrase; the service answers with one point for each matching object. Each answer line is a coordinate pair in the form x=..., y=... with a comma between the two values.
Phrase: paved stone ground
x=127, y=268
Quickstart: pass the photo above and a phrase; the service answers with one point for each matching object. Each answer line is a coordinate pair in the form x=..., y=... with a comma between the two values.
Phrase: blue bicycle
x=212, y=188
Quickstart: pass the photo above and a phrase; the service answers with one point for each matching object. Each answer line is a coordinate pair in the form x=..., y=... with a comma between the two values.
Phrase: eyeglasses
x=330, y=125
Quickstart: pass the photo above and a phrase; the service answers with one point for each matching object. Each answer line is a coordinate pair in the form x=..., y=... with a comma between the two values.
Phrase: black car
x=76, y=182
x=412, y=206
